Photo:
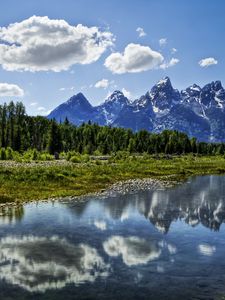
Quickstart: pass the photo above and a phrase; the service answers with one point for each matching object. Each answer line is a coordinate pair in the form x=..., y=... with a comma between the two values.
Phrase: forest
x=20, y=132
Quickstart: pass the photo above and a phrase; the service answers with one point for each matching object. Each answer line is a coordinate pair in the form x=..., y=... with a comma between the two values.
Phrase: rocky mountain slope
x=199, y=112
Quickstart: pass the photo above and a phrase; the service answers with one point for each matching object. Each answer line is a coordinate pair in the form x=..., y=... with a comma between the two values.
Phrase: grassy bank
x=28, y=181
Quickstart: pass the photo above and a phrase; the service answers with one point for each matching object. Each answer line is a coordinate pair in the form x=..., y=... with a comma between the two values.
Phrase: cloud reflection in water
x=134, y=250
x=40, y=263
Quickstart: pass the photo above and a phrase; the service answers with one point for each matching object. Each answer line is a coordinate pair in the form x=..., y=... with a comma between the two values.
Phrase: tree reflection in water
x=11, y=213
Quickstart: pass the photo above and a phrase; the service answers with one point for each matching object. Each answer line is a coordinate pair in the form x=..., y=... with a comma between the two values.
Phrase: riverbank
x=22, y=182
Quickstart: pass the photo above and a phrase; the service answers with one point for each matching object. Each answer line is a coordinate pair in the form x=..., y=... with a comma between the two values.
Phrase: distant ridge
x=199, y=112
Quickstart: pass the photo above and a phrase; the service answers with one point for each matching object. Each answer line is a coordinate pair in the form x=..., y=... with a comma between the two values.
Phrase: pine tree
x=55, y=141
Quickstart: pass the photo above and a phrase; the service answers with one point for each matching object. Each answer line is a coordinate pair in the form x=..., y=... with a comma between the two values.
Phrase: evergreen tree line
x=21, y=132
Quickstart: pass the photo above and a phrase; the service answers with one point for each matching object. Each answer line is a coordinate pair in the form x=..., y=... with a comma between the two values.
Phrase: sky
x=51, y=50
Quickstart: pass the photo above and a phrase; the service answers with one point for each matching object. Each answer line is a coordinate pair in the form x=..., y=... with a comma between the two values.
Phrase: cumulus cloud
x=36, y=271
x=134, y=250
x=43, y=44
x=162, y=42
x=169, y=64
x=206, y=62
x=135, y=58
x=10, y=90
x=141, y=32
x=104, y=83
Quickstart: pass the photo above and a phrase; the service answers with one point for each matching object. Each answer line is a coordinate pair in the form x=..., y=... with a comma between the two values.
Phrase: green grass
x=23, y=182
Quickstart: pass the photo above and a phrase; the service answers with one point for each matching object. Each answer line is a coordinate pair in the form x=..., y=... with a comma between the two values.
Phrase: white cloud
x=42, y=111
x=37, y=271
x=104, y=83
x=41, y=108
x=62, y=89
x=141, y=32
x=169, y=64
x=10, y=90
x=43, y=44
x=162, y=42
x=126, y=93
x=135, y=58
x=206, y=62
x=33, y=104
x=134, y=250
x=100, y=225
x=173, y=50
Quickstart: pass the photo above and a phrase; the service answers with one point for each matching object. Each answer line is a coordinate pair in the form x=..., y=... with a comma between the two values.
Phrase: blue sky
x=43, y=76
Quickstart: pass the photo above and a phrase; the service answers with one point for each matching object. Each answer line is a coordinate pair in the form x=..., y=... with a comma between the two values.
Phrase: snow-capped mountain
x=112, y=106
x=199, y=112
x=163, y=97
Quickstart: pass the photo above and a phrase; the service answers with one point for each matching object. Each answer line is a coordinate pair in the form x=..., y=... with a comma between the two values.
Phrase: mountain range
x=199, y=112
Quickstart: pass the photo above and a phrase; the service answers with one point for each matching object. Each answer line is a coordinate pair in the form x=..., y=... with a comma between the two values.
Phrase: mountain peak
x=197, y=111
x=164, y=81
x=117, y=96
x=79, y=100
x=192, y=90
x=163, y=85
x=217, y=85
x=77, y=97
x=163, y=96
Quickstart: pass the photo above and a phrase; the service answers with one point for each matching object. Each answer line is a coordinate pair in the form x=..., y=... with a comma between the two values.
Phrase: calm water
x=165, y=244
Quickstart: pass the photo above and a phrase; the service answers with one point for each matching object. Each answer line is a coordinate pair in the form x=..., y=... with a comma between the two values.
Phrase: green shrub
x=27, y=155
x=63, y=155
x=75, y=159
x=97, y=153
x=85, y=158
x=70, y=154
x=46, y=157
x=98, y=162
x=9, y=153
x=121, y=155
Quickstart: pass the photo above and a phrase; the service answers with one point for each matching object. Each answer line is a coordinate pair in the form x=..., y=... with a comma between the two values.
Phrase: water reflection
x=100, y=224
x=134, y=250
x=207, y=250
x=199, y=201
x=106, y=248
x=11, y=213
x=40, y=263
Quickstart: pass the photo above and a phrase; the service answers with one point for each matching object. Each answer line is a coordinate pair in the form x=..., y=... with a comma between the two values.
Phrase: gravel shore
x=130, y=186
x=34, y=164
x=135, y=185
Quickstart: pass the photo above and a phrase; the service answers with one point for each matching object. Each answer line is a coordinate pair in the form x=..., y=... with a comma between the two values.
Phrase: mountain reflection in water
x=200, y=201
x=145, y=245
